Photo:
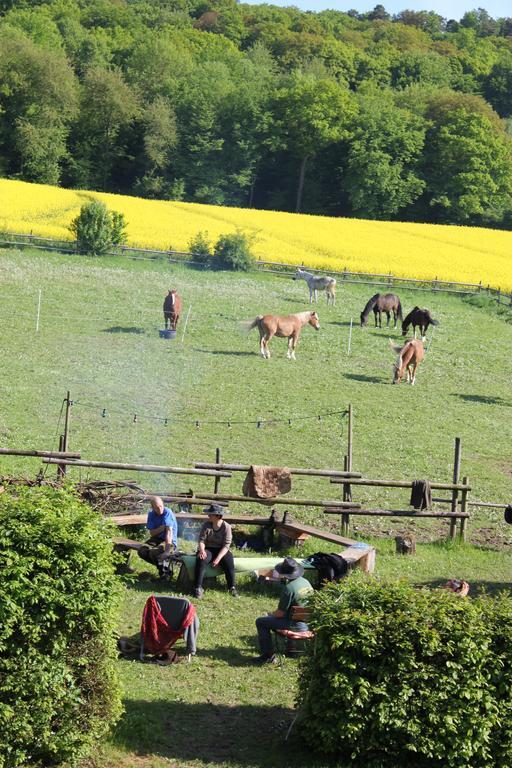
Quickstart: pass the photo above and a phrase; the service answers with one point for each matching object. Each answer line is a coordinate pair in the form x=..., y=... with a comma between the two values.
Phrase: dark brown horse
x=382, y=302
x=418, y=318
x=288, y=327
x=409, y=357
x=172, y=309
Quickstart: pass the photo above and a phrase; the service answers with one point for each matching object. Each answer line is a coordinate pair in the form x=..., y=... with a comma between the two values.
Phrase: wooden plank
x=402, y=484
x=279, y=500
x=293, y=470
x=232, y=519
x=318, y=533
x=121, y=544
x=139, y=467
x=395, y=513
x=40, y=454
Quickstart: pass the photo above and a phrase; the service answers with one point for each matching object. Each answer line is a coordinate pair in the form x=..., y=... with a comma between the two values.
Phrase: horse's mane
x=303, y=315
x=369, y=306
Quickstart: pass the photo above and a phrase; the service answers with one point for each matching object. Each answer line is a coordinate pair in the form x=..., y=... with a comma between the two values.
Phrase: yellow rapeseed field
x=423, y=251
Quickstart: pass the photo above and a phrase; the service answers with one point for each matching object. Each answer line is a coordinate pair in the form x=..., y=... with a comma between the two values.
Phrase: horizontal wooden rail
x=403, y=484
x=40, y=454
x=278, y=500
x=235, y=519
x=139, y=467
x=395, y=513
x=293, y=470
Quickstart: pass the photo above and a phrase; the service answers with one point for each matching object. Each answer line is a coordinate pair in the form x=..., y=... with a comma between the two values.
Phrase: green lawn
x=99, y=338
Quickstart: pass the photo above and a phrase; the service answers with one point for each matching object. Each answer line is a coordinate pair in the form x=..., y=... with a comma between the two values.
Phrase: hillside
x=424, y=251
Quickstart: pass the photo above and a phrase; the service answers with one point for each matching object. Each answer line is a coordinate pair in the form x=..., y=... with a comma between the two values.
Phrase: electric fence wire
x=54, y=439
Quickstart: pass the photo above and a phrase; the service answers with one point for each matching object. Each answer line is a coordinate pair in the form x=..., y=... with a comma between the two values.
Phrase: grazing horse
x=409, y=357
x=318, y=283
x=418, y=317
x=382, y=302
x=172, y=309
x=288, y=327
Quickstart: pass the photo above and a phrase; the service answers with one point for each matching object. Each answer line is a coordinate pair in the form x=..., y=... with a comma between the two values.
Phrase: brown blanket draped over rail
x=421, y=495
x=267, y=482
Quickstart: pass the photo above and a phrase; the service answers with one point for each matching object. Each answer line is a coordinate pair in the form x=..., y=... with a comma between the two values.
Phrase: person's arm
x=157, y=531
x=284, y=604
x=222, y=552
x=201, y=548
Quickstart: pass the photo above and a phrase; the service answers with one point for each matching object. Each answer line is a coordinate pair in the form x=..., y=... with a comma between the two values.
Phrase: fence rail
x=17, y=240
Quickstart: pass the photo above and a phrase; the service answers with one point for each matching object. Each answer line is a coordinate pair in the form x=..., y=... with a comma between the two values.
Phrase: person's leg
x=228, y=566
x=264, y=627
x=201, y=568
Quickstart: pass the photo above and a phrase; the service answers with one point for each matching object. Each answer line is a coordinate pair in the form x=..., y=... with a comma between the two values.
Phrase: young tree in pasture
x=37, y=103
x=98, y=230
x=107, y=107
x=311, y=114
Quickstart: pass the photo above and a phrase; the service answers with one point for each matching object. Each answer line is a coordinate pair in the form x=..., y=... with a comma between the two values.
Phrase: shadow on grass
x=227, y=352
x=342, y=323
x=124, y=329
x=365, y=379
x=212, y=734
x=483, y=399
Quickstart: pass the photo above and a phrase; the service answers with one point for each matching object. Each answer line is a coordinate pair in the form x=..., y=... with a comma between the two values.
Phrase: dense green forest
x=405, y=117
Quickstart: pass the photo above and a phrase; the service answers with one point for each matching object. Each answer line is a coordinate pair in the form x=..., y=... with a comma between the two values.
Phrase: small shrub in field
x=233, y=252
x=98, y=230
x=409, y=678
x=58, y=690
x=201, y=249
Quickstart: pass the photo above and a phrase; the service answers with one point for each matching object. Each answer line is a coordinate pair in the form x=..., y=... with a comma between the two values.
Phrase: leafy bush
x=98, y=230
x=410, y=678
x=233, y=252
x=58, y=690
x=200, y=248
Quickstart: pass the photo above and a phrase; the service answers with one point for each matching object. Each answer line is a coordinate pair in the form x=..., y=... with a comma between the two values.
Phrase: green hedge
x=407, y=677
x=58, y=597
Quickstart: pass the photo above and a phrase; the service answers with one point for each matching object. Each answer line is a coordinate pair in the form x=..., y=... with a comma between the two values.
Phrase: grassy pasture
x=98, y=338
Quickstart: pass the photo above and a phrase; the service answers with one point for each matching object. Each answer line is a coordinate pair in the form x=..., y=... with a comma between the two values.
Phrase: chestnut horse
x=382, y=302
x=418, y=317
x=172, y=309
x=288, y=327
x=409, y=357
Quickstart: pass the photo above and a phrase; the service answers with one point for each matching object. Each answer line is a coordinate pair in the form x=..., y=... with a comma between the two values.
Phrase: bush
x=98, y=230
x=233, y=252
x=200, y=248
x=58, y=690
x=406, y=677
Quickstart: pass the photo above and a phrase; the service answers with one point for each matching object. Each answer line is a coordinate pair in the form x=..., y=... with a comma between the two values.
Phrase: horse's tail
x=248, y=325
x=399, y=310
x=432, y=321
x=397, y=348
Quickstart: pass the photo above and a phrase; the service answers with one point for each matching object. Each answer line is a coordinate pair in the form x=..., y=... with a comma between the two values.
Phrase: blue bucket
x=167, y=334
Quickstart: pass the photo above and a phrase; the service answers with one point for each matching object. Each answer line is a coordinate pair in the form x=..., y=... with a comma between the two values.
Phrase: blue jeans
x=265, y=625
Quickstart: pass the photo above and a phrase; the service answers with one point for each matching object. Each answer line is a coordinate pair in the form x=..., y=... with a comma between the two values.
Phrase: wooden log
x=279, y=500
x=401, y=484
x=463, y=506
x=293, y=470
x=139, y=467
x=395, y=513
x=405, y=545
x=232, y=519
x=456, y=473
x=40, y=454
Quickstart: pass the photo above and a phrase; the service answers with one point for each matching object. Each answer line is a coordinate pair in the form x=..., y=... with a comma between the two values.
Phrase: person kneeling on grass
x=215, y=540
x=163, y=529
x=296, y=591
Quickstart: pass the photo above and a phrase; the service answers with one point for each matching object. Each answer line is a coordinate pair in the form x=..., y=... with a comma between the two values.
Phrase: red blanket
x=156, y=634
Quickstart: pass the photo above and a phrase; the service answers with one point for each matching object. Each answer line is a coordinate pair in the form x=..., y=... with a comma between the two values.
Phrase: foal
x=409, y=357
x=288, y=327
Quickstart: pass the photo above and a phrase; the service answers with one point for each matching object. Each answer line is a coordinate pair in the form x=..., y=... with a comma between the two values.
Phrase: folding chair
x=166, y=619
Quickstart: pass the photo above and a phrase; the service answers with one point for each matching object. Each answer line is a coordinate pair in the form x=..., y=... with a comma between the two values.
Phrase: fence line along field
x=423, y=251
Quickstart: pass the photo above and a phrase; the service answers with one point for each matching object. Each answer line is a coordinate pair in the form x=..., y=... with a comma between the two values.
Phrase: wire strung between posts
x=169, y=420
x=54, y=440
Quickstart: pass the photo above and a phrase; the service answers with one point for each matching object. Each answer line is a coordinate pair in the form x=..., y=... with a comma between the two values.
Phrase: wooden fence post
x=216, y=482
x=456, y=473
x=463, y=508
x=347, y=496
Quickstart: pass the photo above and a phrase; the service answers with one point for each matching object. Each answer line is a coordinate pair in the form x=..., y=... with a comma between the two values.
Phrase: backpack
x=329, y=566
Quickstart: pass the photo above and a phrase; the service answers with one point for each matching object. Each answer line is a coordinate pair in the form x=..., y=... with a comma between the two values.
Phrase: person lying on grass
x=163, y=529
x=296, y=591
x=215, y=539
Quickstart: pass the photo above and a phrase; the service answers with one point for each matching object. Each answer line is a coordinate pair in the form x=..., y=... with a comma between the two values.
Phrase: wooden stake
x=463, y=508
x=216, y=482
x=350, y=337
x=38, y=315
x=455, y=493
x=186, y=323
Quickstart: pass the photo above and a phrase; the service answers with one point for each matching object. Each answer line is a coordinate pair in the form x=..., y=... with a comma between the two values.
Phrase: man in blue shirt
x=163, y=529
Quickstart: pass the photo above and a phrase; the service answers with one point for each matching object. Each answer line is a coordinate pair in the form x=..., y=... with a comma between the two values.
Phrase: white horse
x=318, y=283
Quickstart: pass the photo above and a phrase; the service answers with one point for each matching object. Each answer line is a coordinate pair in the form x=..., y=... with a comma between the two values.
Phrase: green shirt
x=295, y=592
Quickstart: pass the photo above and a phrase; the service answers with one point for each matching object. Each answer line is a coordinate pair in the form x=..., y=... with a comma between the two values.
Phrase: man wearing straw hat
x=296, y=591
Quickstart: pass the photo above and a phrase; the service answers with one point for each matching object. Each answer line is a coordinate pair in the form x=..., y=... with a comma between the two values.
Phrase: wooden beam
x=395, y=513
x=40, y=454
x=293, y=470
x=139, y=467
x=278, y=500
x=232, y=519
x=403, y=484
x=317, y=532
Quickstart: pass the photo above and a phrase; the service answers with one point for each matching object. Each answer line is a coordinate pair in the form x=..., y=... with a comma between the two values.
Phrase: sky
x=450, y=9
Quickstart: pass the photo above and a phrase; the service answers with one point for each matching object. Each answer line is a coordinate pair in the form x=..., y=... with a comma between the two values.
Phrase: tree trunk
x=300, y=188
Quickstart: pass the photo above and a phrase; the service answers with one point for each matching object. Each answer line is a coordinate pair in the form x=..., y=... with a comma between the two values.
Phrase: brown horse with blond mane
x=410, y=356
x=287, y=327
